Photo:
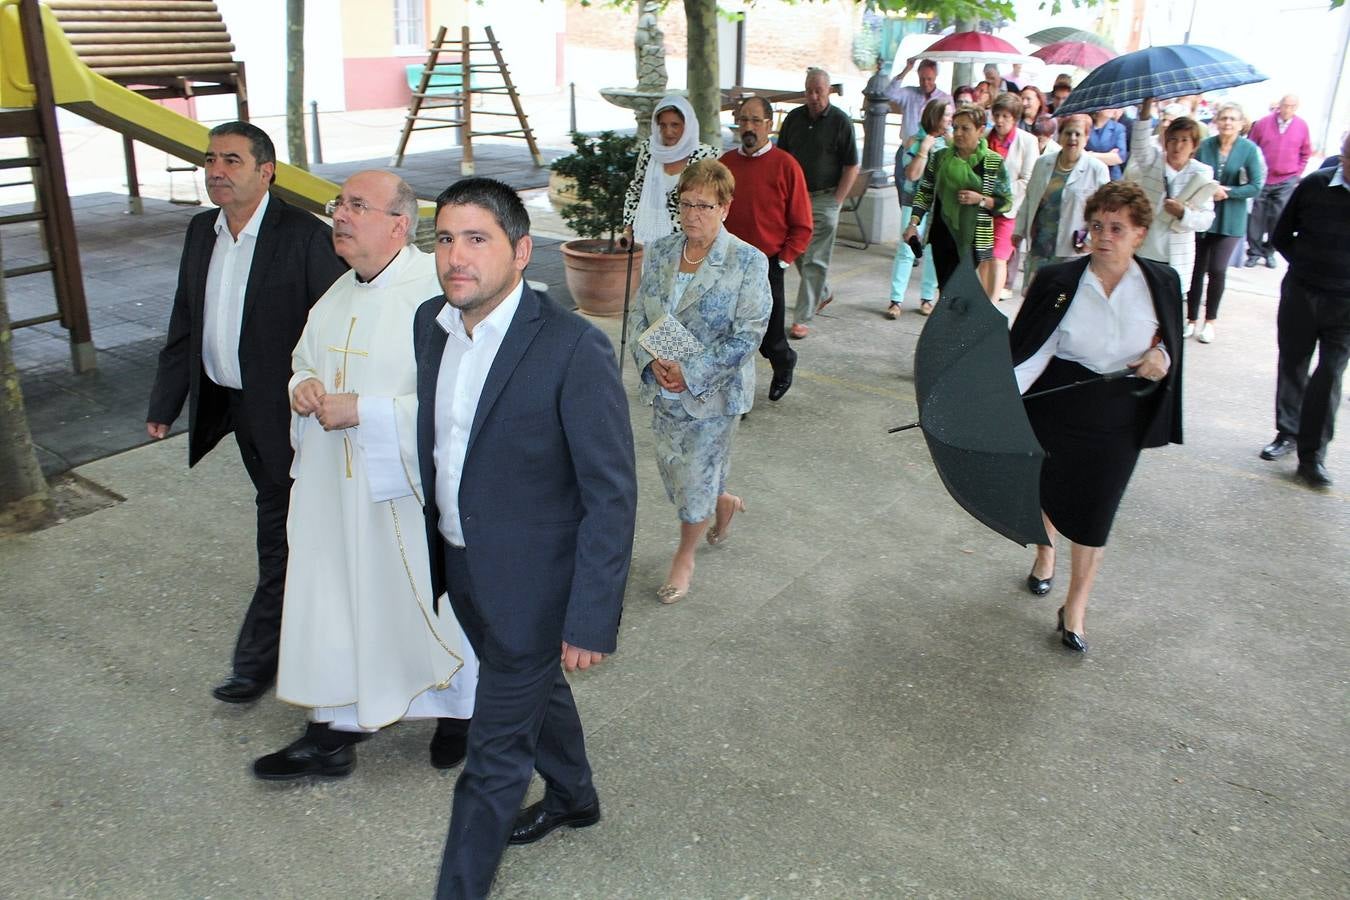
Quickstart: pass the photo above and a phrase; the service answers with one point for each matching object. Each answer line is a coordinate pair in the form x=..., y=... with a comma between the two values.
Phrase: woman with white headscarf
x=650, y=208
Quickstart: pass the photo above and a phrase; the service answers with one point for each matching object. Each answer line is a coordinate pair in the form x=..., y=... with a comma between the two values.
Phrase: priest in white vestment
x=361, y=646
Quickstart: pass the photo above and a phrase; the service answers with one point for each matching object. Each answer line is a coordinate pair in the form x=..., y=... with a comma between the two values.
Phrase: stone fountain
x=650, y=48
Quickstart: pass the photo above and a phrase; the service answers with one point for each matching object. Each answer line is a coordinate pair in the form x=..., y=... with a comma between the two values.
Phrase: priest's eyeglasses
x=355, y=207
x=686, y=206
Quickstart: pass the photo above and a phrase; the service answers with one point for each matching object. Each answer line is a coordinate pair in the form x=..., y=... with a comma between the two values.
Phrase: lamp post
x=876, y=105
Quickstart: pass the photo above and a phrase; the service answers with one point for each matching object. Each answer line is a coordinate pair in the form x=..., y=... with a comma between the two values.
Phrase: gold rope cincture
x=421, y=605
x=340, y=378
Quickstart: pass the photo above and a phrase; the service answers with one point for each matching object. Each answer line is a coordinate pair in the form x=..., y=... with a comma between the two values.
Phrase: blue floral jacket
x=726, y=307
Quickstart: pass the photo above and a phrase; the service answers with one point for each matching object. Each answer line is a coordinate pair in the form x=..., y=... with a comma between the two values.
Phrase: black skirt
x=1092, y=436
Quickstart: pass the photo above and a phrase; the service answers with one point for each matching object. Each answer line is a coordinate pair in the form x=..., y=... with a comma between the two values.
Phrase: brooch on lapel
x=1061, y=300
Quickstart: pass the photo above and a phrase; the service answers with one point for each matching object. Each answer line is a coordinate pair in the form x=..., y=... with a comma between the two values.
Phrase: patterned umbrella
x=1162, y=72
x=973, y=47
x=1047, y=36
x=1079, y=54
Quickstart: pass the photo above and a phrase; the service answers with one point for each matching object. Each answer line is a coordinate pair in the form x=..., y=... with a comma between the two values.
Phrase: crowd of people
x=409, y=420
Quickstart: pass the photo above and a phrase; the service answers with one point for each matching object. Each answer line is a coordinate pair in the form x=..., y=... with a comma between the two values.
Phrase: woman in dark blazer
x=1240, y=170
x=1085, y=318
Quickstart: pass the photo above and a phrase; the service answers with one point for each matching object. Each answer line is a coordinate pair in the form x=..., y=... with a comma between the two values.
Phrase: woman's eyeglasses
x=696, y=207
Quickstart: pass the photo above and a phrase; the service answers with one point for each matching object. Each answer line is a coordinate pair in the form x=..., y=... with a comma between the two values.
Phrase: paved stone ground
x=859, y=699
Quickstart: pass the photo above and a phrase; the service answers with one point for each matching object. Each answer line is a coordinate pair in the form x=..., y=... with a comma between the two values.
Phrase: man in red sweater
x=772, y=212
x=1283, y=139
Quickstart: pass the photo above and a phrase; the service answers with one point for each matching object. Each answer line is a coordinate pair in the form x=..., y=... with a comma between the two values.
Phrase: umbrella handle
x=1107, y=376
x=902, y=428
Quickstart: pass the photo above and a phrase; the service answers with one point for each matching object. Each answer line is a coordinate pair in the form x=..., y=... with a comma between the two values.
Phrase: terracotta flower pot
x=596, y=279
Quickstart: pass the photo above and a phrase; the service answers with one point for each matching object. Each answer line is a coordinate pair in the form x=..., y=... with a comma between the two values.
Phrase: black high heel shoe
x=1040, y=586
x=1070, y=639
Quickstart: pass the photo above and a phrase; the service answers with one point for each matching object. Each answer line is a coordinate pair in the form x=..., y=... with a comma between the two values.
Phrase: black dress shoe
x=534, y=822
x=1314, y=474
x=1040, y=586
x=1070, y=639
x=304, y=758
x=450, y=744
x=1270, y=262
x=240, y=689
x=780, y=383
x=1281, y=446
x=1251, y=263
x=1073, y=641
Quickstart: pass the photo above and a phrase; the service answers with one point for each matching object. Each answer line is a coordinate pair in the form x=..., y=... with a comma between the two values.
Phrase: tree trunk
x=25, y=503
x=964, y=73
x=295, y=83
x=705, y=96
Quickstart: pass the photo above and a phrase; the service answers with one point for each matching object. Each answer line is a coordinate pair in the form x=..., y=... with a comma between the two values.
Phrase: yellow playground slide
x=94, y=97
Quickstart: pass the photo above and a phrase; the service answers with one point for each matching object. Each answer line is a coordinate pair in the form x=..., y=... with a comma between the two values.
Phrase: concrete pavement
x=858, y=699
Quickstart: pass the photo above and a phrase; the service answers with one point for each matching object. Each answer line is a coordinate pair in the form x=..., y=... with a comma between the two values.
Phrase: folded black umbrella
x=971, y=414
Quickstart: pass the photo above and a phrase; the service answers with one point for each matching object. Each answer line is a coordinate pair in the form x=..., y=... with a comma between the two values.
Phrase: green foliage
x=602, y=167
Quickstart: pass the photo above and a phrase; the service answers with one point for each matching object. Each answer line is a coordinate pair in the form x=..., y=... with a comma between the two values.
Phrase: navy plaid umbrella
x=1160, y=72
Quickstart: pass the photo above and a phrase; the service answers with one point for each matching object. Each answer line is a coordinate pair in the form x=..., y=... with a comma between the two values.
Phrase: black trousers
x=1305, y=408
x=1212, y=253
x=524, y=720
x=255, y=651
x=774, y=346
x=1265, y=213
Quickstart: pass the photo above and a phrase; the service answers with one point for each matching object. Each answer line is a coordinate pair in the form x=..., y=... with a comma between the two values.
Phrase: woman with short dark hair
x=1081, y=319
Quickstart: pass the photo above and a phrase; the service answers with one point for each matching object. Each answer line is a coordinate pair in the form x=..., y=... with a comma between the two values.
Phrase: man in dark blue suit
x=526, y=455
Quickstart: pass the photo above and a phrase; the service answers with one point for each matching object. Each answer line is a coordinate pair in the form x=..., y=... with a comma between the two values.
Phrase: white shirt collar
x=254, y=222
x=768, y=145
x=497, y=321
x=1339, y=178
x=1132, y=279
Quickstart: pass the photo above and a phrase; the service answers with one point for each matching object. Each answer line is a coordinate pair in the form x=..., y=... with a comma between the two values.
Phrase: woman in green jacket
x=965, y=184
x=1240, y=171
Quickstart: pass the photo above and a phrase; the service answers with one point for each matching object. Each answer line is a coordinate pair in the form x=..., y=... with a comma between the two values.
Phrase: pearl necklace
x=684, y=253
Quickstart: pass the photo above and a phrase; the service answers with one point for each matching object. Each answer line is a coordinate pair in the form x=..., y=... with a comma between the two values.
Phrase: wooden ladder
x=451, y=86
x=51, y=201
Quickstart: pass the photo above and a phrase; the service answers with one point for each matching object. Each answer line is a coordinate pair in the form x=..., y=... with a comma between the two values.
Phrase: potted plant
x=595, y=265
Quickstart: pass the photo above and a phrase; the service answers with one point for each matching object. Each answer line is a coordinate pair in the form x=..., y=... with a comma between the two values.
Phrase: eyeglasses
x=752, y=121
x=356, y=207
x=1116, y=229
x=696, y=207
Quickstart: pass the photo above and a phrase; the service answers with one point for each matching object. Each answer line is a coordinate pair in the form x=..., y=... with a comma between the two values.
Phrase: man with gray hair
x=363, y=642
x=820, y=137
x=249, y=274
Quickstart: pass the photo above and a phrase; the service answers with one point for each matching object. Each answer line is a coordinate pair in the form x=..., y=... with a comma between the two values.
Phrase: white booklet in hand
x=666, y=338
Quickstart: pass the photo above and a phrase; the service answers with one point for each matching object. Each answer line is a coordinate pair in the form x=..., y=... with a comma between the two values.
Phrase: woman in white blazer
x=1050, y=225
x=1180, y=187
x=1019, y=150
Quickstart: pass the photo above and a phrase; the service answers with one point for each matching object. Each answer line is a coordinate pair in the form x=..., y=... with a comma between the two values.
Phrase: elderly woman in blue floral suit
x=717, y=287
